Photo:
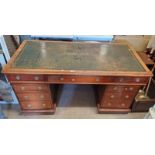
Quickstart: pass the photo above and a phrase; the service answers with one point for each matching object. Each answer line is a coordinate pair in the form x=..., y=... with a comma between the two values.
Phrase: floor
x=76, y=102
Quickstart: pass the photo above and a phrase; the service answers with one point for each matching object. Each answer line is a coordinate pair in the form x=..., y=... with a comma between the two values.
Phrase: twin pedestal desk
x=115, y=70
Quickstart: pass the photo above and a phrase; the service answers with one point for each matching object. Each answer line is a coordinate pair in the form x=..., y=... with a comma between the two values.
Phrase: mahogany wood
x=33, y=82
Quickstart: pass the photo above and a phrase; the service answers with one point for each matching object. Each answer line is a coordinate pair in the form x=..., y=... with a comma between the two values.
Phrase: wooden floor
x=73, y=102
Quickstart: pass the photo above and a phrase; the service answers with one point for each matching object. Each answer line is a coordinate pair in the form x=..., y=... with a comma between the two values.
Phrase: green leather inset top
x=77, y=56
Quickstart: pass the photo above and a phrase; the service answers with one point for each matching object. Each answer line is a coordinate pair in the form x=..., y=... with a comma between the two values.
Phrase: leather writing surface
x=77, y=56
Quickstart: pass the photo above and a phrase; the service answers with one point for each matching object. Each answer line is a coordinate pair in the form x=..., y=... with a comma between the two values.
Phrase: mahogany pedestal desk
x=115, y=68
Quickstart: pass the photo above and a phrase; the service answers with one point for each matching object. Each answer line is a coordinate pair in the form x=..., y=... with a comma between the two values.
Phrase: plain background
x=80, y=17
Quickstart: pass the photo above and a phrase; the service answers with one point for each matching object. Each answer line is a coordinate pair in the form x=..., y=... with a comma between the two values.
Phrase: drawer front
x=19, y=88
x=130, y=80
x=96, y=79
x=34, y=96
x=36, y=105
x=117, y=88
x=26, y=77
x=113, y=99
x=79, y=79
x=122, y=104
x=114, y=96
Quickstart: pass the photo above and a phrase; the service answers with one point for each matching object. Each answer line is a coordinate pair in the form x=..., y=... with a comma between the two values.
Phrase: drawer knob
x=17, y=77
x=22, y=88
x=115, y=88
x=126, y=89
x=36, y=78
x=61, y=79
x=73, y=79
x=137, y=79
x=39, y=88
x=26, y=97
x=29, y=105
x=127, y=96
x=122, y=104
x=97, y=79
x=44, y=105
x=109, y=104
x=112, y=96
x=42, y=96
x=121, y=79
x=131, y=88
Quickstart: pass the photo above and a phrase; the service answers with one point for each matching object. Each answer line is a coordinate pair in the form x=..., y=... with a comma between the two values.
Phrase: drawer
x=33, y=96
x=79, y=79
x=117, y=88
x=19, y=88
x=26, y=77
x=95, y=79
x=36, y=105
x=117, y=100
x=130, y=79
x=115, y=96
x=122, y=104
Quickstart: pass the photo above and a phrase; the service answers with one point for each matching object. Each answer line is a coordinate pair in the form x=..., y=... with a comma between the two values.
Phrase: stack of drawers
x=34, y=96
x=117, y=96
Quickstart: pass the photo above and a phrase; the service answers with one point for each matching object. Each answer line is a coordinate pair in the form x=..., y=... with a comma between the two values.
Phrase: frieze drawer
x=26, y=77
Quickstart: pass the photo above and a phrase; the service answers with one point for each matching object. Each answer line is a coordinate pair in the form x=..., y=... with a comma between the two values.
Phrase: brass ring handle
x=112, y=96
x=29, y=105
x=42, y=96
x=26, y=97
x=22, y=88
x=39, y=88
x=73, y=79
x=17, y=77
x=36, y=78
x=61, y=79
x=126, y=96
x=97, y=79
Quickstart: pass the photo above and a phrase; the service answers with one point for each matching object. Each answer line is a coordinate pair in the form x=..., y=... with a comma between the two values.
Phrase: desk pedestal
x=116, y=98
x=35, y=98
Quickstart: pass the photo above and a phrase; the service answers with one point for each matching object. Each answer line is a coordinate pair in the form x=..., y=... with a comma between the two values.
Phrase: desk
x=115, y=68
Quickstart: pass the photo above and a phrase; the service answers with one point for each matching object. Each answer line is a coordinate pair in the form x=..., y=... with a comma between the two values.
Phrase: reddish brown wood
x=36, y=105
x=32, y=79
x=116, y=97
x=29, y=96
x=22, y=77
x=112, y=111
x=40, y=112
x=19, y=88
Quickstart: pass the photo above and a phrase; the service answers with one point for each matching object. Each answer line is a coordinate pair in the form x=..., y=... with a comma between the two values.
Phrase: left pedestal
x=35, y=98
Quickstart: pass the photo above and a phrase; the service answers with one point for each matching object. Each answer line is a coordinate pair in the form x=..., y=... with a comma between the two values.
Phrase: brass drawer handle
x=44, y=105
x=97, y=79
x=126, y=89
x=109, y=104
x=36, y=78
x=18, y=77
x=29, y=105
x=62, y=79
x=22, y=88
x=73, y=79
x=127, y=96
x=39, y=88
x=121, y=79
x=112, y=96
x=115, y=88
x=42, y=96
x=122, y=104
x=26, y=97
x=137, y=79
